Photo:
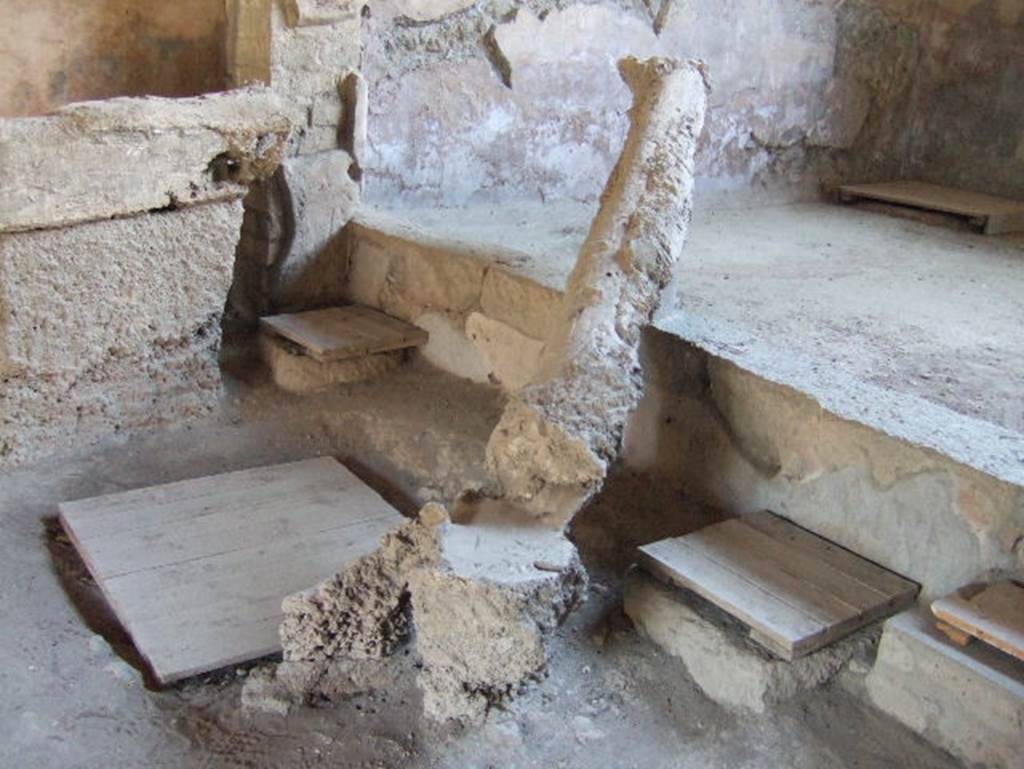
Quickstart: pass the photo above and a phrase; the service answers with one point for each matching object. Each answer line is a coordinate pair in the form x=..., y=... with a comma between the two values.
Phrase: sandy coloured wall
x=54, y=52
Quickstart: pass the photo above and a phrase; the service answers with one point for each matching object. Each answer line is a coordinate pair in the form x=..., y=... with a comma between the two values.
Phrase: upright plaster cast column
x=551, y=450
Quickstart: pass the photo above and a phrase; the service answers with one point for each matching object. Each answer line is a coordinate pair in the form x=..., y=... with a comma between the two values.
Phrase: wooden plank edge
x=981, y=627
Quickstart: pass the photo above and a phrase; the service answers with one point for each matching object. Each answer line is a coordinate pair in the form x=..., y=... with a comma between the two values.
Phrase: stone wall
x=308, y=52
x=496, y=99
x=54, y=52
x=118, y=228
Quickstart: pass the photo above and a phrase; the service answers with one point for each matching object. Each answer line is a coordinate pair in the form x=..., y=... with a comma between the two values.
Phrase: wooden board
x=795, y=591
x=995, y=615
x=993, y=214
x=337, y=333
x=196, y=570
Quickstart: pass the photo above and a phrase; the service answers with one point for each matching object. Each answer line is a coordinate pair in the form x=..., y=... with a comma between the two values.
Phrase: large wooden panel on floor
x=337, y=333
x=994, y=215
x=795, y=591
x=995, y=615
x=196, y=570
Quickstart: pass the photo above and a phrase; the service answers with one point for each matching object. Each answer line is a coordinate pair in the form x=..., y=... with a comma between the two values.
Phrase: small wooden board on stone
x=196, y=570
x=993, y=614
x=993, y=215
x=338, y=333
x=796, y=591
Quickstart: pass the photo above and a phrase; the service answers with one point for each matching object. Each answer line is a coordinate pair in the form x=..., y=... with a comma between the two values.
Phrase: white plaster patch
x=450, y=350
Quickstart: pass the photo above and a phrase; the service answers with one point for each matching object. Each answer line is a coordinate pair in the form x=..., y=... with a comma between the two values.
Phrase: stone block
x=97, y=160
x=74, y=297
x=969, y=701
x=319, y=200
x=715, y=650
x=110, y=326
x=520, y=302
x=513, y=358
x=450, y=350
x=295, y=372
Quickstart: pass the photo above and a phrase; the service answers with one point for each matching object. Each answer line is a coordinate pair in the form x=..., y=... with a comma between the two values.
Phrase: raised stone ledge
x=105, y=159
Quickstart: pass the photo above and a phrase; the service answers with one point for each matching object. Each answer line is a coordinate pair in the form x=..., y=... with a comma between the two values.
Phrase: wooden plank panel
x=793, y=600
x=781, y=624
x=995, y=615
x=997, y=215
x=336, y=333
x=871, y=575
x=196, y=570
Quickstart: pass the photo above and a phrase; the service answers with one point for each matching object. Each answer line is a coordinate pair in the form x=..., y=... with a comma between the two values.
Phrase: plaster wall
x=54, y=52
x=503, y=99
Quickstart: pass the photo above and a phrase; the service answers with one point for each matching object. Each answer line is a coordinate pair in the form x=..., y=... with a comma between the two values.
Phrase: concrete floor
x=72, y=697
x=923, y=308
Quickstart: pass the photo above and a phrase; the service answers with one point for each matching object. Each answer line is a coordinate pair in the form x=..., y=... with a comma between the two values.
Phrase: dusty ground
x=921, y=305
x=74, y=698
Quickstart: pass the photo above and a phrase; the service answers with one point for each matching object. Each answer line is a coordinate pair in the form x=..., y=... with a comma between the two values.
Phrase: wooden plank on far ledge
x=337, y=333
x=995, y=215
x=995, y=615
x=797, y=592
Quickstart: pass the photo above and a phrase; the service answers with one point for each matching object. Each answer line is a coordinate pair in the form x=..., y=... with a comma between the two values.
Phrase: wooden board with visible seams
x=795, y=591
x=196, y=570
x=994, y=615
x=995, y=215
x=337, y=333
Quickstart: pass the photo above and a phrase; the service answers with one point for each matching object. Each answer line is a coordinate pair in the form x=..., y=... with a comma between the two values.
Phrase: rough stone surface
x=483, y=612
x=362, y=612
x=969, y=701
x=305, y=13
x=295, y=372
x=124, y=156
x=728, y=667
x=513, y=358
x=589, y=379
x=428, y=10
x=110, y=326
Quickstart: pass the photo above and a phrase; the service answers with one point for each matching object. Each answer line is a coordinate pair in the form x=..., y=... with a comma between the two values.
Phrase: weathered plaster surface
x=507, y=99
x=54, y=52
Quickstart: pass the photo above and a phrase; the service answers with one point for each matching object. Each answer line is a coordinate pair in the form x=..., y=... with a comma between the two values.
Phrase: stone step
x=487, y=307
x=969, y=701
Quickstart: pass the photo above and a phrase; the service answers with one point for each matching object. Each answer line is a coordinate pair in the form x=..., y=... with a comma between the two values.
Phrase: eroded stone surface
x=112, y=325
x=728, y=667
x=590, y=379
x=363, y=611
x=96, y=160
x=483, y=612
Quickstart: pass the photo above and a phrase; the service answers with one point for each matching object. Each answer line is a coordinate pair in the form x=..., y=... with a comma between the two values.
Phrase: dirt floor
x=914, y=303
x=74, y=697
